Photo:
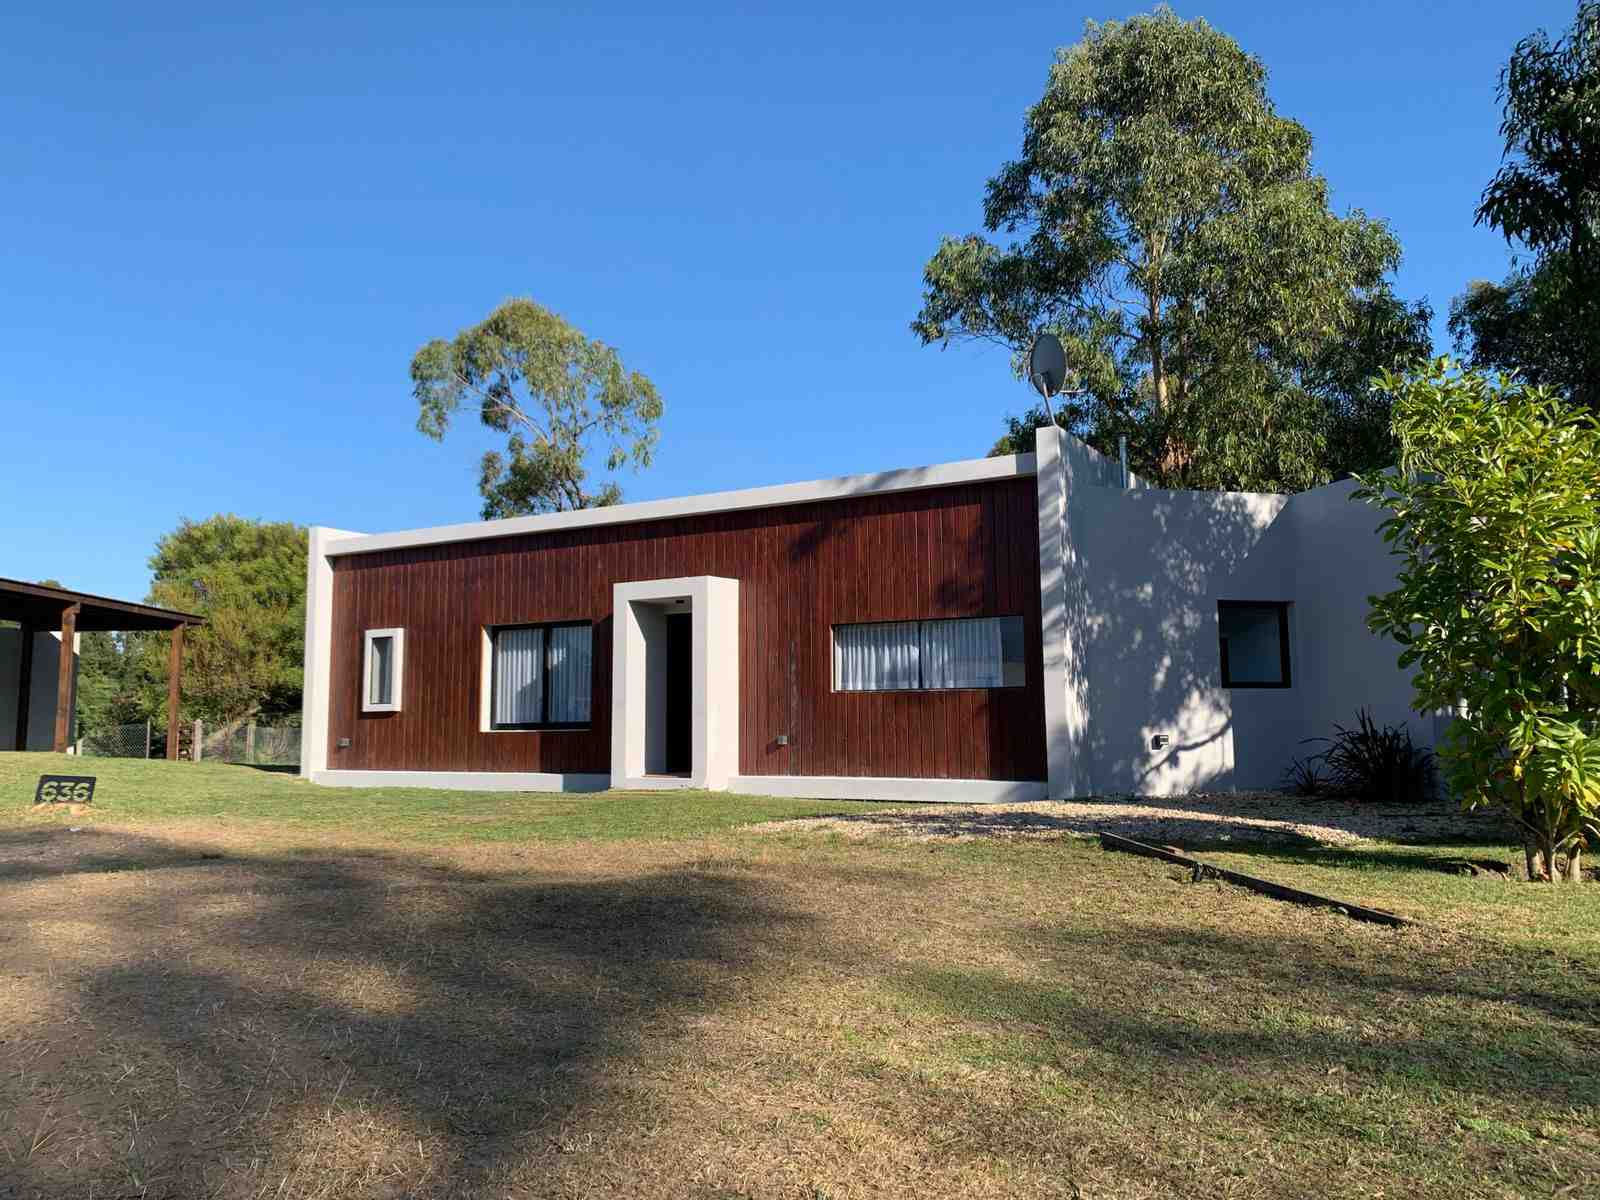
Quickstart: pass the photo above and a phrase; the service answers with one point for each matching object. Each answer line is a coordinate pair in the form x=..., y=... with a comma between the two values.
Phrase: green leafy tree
x=1543, y=321
x=553, y=391
x=1164, y=221
x=248, y=579
x=109, y=684
x=1497, y=603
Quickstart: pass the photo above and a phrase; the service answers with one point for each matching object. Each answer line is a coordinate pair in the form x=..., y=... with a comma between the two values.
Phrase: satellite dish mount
x=1047, y=369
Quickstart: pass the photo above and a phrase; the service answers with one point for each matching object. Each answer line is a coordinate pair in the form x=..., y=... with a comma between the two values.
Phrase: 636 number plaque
x=64, y=789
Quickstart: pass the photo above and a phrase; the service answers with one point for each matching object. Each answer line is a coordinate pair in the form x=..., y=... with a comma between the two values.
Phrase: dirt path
x=1177, y=820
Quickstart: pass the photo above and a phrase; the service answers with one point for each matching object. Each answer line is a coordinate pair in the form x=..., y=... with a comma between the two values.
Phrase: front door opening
x=679, y=759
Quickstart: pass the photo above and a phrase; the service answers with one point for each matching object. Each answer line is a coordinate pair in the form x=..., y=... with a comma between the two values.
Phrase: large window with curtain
x=540, y=676
x=903, y=656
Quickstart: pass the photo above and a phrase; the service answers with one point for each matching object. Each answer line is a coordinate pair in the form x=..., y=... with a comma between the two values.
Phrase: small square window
x=1254, y=644
x=382, y=661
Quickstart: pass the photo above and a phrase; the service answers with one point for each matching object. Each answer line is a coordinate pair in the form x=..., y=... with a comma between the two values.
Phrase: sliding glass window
x=902, y=656
x=541, y=676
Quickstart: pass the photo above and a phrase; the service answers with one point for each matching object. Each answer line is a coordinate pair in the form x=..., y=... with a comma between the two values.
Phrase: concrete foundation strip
x=1277, y=891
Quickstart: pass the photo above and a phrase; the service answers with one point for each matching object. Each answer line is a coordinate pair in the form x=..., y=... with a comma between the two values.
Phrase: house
x=1002, y=629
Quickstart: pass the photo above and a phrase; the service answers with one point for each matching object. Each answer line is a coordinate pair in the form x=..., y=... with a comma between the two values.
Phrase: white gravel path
x=1168, y=820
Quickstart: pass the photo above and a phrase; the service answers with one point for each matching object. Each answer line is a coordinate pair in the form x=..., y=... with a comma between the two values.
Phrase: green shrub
x=1378, y=765
x=1497, y=604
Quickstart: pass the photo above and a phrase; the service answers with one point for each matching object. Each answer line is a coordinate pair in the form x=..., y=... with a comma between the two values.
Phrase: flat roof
x=843, y=487
x=41, y=605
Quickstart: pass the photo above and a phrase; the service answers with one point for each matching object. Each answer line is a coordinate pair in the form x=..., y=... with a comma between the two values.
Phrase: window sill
x=999, y=687
x=539, y=729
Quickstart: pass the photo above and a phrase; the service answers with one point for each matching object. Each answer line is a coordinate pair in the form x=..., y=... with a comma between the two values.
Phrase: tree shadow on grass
x=1460, y=1020
x=53, y=850
x=1156, y=1045
x=1378, y=857
x=298, y=1015
x=1195, y=1046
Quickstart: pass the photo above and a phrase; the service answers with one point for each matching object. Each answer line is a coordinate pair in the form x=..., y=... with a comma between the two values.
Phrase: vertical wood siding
x=968, y=550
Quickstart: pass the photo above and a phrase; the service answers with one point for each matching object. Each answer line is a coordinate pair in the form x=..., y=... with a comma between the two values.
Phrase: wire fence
x=256, y=745
x=120, y=741
x=235, y=742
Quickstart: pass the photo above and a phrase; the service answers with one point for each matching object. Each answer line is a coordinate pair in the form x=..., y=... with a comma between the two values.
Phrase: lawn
x=229, y=984
x=227, y=796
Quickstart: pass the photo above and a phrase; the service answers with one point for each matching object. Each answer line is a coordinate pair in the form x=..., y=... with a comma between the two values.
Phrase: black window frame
x=544, y=677
x=922, y=688
x=1282, y=607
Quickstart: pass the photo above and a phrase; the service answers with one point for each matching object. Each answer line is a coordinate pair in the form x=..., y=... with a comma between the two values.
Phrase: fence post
x=250, y=742
x=199, y=735
x=147, y=737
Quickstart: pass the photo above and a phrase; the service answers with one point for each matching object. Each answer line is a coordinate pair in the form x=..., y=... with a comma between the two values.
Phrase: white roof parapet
x=844, y=487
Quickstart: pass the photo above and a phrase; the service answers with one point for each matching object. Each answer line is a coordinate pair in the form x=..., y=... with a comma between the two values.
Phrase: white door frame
x=639, y=610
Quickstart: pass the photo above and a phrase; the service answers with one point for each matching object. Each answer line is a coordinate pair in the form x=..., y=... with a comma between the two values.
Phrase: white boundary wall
x=1143, y=571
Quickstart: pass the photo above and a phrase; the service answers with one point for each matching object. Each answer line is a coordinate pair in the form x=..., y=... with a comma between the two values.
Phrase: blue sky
x=227, y=231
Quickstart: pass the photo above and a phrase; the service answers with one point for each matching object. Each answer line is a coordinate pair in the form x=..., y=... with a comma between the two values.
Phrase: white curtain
x=570, y=672
x=380, y=689
x=961, y=654
x=518, y=671
x=875, y=658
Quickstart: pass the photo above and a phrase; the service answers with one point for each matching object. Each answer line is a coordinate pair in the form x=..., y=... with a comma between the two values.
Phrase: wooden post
x=174, y=674
x=250, y=742
x=147, y=737
x=196, y=749
x=64, y=677
x=24, y=683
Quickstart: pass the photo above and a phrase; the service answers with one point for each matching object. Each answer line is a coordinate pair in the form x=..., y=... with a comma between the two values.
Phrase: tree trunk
x=1574, y=871
x=1158, y=358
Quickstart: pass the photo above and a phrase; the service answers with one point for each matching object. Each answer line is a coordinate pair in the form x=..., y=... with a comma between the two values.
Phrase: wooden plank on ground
x=1266, y=887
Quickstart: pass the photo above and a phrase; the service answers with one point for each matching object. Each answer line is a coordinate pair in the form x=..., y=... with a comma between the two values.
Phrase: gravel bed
x=1204, y=817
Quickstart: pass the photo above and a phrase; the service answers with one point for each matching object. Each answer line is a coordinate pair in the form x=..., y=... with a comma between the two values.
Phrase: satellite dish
x=1047, y=365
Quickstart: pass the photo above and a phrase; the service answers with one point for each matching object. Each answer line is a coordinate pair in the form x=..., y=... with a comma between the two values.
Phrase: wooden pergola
x=39, y=609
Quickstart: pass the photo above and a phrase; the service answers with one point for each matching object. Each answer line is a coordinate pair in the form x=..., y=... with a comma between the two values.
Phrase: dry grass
x=197, y=1010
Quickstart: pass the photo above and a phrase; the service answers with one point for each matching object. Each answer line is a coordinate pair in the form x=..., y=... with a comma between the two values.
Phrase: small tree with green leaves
x=535, y=377
x=1493, y=515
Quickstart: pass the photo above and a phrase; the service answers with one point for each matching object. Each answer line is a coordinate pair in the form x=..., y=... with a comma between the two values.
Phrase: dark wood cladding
x=968, y=550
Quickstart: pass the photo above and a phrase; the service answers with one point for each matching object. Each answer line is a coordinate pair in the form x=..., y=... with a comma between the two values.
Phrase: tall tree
x=553, y=391
x=1163, y=219
x=1543, y=321
x=248, y=579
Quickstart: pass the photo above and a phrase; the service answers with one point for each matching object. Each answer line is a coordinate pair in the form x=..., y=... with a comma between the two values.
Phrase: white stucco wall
x=1145, y=568
x=639, y=680
x=1341, y=560
x=42, y=698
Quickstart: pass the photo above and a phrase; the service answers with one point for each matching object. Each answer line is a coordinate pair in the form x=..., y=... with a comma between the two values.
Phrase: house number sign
x=64, y=789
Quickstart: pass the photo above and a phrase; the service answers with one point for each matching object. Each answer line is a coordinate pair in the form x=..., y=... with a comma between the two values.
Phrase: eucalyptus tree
x=1543, y=321
x=1164, y=220
x=554, y=392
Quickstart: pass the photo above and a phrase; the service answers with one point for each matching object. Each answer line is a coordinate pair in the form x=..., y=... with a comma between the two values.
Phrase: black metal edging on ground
x=1277, y=891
